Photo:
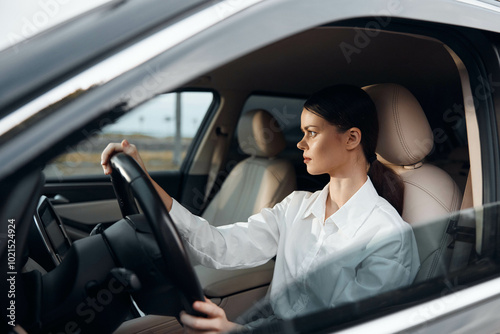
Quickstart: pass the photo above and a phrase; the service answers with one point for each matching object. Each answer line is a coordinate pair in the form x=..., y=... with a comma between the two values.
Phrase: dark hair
x=346, y=107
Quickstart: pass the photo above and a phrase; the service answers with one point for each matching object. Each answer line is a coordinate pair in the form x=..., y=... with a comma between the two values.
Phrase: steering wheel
x=129, y=181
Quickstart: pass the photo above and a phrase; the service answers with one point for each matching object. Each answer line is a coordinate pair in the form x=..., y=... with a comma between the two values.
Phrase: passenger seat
x=259, y=181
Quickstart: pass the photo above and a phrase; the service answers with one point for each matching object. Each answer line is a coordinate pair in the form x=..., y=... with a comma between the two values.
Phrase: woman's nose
x=300, y=144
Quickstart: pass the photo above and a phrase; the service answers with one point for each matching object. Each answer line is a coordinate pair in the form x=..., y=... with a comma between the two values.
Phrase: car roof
x=60, y=52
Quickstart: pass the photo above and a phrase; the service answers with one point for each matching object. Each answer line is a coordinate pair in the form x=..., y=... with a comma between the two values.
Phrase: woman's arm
x=216, y=320
x=240, y=245
x=131, y=150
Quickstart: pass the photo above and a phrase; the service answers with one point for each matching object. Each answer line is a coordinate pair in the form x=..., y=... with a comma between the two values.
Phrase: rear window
x=286, y=110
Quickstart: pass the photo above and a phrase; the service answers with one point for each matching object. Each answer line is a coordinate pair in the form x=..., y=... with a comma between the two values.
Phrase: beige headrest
x=405, y=136
x=259, y=134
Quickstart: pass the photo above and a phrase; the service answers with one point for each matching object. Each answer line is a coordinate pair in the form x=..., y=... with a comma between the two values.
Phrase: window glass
x=286, y=110
x=316, y=309
x=162, y=129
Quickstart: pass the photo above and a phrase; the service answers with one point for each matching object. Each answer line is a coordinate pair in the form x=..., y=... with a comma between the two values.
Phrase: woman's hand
x=114, y=148
x=215, y=322
x=131, y=150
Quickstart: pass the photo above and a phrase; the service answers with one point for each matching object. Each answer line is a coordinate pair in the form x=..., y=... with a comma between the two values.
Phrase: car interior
x=245, y=156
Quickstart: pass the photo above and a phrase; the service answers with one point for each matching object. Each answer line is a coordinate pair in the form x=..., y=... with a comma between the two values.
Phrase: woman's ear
x=353, y=138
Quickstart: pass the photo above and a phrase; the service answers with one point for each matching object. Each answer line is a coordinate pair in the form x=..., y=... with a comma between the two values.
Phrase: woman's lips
x=306, y=160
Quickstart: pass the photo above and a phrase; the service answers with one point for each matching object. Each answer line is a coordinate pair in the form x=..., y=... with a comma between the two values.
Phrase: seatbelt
x=216, y=162
x=463, y=231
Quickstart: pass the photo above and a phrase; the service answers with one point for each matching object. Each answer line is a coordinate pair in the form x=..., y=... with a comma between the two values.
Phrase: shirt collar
x=317, y=205
x=352, y=214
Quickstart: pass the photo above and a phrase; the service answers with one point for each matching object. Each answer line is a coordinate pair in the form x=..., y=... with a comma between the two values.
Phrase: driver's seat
x=405, y=139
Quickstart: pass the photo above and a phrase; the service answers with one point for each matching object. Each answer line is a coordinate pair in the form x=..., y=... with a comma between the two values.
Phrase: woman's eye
x=312, y=134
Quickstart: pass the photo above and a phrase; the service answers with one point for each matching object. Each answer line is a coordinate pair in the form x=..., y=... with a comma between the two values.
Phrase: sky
x=24, y=18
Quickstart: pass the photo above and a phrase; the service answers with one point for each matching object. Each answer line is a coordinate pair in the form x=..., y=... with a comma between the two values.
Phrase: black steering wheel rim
x=129, y=181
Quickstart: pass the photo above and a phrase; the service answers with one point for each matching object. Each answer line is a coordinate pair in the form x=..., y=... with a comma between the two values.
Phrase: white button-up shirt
x=363, y=249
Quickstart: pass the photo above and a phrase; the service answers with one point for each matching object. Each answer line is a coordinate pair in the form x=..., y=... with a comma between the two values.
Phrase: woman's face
x=323, y=145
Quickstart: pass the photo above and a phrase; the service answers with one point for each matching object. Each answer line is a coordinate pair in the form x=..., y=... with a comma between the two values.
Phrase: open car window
x=61, y=96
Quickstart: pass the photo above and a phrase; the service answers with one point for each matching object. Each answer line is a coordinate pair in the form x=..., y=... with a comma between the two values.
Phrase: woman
x=353, y=240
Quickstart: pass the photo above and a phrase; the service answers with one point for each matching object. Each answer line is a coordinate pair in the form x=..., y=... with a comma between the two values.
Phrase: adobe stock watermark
x=363, y=36
x=11, y=271
x=38, y=21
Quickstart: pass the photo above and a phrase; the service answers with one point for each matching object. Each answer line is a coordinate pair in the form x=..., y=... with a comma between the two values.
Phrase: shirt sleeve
x=235, y=246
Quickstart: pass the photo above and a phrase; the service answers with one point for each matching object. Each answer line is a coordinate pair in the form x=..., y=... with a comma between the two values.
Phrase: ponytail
x=388, y=184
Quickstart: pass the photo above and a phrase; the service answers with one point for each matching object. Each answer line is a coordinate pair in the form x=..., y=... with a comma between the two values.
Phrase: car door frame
x=93, y=97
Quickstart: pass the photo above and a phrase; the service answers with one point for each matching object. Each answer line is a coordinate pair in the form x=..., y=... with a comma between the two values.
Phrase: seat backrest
x=405, y=139
x=260, y=180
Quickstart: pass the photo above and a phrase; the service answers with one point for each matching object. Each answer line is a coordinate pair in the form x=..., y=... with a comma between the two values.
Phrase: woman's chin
x=312, y=171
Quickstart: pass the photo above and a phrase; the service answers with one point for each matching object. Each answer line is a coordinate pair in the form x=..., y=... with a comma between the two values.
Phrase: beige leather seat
x=405, y=139
x=260, y=180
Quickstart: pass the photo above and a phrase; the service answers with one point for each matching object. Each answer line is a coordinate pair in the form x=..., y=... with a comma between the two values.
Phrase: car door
x=213, y=55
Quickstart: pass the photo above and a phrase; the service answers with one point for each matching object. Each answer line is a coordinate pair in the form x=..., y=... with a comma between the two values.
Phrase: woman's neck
x=342, y=188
